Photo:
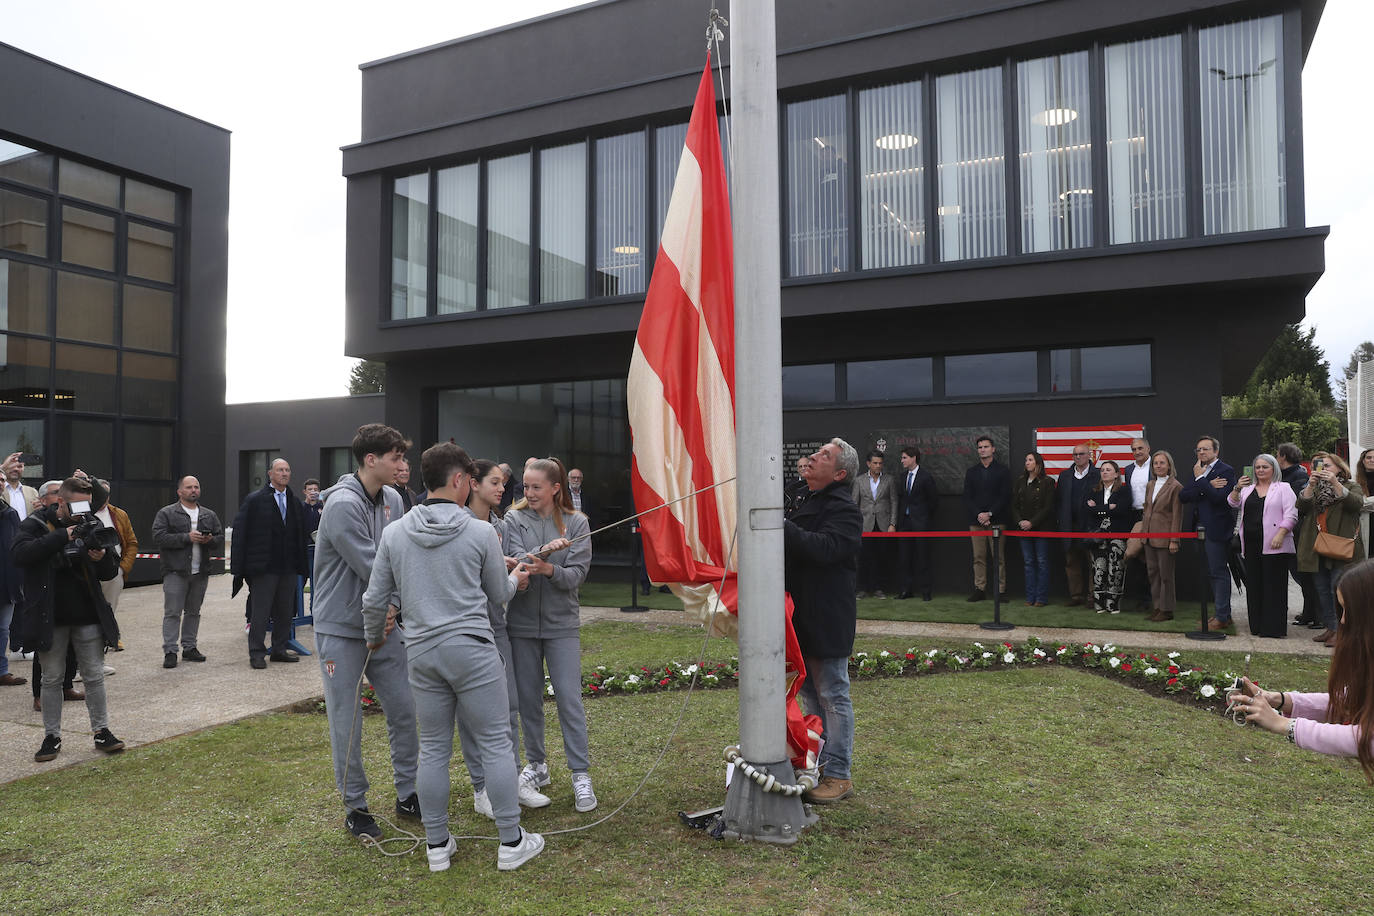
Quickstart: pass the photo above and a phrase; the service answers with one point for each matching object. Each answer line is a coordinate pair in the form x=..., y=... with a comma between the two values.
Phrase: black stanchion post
x=996, y=622
x=636, y=572
x=1202, y=632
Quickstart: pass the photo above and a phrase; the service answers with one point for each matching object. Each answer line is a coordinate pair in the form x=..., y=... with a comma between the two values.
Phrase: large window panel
x=817, y=196
x=23, y=297
x=150, y=386
x=152, y=253
x=668, y=144
x=150, y=201
x=620, y=237
x=1054, y=125
x=1240, y=72
x=1100, y=368
x=809, y=385
x=890, y=379
x=23, y=223
x=563, y=223
x=85, y=308
x=89, y=445
x=88, y=238
x=148, y=453
x=991, y=374
x=85, y=379
x=971, y=184
x=24, y=165
x=1145, y=179
x=25, y=374
x=76, y=179
x=26, y=436
x=508, y=231
x=457, y=241
x=409, y=246
x=148, y=318
x=892, y=182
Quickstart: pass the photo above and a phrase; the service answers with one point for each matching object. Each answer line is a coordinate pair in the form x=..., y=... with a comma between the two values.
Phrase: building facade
x=995, y=217
x=113, y=277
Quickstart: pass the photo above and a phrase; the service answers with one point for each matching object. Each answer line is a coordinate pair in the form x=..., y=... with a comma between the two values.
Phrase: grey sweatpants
x=182, y=595
x=564, y=659
x=464, y=677
x=341, y=664
x=465, y=738
x=90, y=661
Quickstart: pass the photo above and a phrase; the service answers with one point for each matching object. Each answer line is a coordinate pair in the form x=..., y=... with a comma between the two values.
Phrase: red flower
x=1125, y=666
x=663, y=683
x=910, y=656
x=1172, y=681
x=595, y=688
x=1173, y=669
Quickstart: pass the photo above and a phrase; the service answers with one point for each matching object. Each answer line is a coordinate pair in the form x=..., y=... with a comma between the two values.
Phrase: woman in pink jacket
x=1268, y=516
x=1340, y=721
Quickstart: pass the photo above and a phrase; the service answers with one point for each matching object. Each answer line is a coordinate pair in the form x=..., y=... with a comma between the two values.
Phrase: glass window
x=889, y=379
x=142, y=500
x=804, y=386
x=253, y=470
x=25, y=436
x=148, y=318
x=991, y=374
x=563, y=223
x=150, y=201
x=152, y=253
x=1241, y=78
x=88, y=238
x=23, y=223
x=409, y=245
x=85, y=308
x=88, y=183
x=668, y=144
x=1145, y=182
x=508, y=231
x=334, y=463
x=87, y=444
x=24, y=374
x=817, y=203
x=148, y=454
x=1100, y=368
x=457, y=239
x=620, y=215
x=85, y=379
x=892, y=189
x=23, y=297
x=1054, y=122
x=971, y=201
x=149, y=385
x=24, y=165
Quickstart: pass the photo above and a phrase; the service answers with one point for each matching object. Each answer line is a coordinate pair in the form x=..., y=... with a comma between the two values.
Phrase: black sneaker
x=257, y=661
x=192, y=655
x=107, y=742
x=409, y=807
x=362, y=826
x=169, y=660
x=52, y=745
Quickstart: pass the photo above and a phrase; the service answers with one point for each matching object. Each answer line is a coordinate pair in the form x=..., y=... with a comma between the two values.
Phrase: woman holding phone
x=1364, y=472
x=1331, y=502
x=1268, y=515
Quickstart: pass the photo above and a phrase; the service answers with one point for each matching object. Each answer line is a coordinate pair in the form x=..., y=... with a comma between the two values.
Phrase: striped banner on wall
x=1055, y=443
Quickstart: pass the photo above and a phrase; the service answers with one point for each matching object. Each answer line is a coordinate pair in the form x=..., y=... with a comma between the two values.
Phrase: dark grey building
x=113, y=271
x=998, y=216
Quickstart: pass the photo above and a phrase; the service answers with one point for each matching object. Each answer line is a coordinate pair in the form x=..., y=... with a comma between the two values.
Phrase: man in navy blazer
x=916, y=501
x=1212, y=481
x=269, y=554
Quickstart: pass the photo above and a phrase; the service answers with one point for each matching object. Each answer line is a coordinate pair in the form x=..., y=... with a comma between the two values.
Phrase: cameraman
x=64, y=603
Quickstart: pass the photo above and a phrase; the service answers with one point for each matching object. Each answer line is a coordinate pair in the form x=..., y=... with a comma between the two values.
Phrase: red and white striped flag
x=1055, y=443
x=681, y=401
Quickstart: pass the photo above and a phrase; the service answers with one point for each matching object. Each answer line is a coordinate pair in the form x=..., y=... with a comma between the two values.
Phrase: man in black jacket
x=821, y=542
x=1296, y=476
x=63, y=604
x=1075, y=482
x=917, y=498
x=269, y=554
x=987, y=497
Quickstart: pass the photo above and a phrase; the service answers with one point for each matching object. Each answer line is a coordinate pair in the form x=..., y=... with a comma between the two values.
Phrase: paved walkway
x=148, y=703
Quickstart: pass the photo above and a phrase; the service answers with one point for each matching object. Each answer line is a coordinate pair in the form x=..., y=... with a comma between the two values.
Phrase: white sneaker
x=584, y=799
x=482, y=805
x=439, y=858
x=109, y=671
x=537, y=774
x=529, y=796
x=509, y=858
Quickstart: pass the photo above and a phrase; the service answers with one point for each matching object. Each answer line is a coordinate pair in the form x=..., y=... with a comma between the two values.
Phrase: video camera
x=91, y=532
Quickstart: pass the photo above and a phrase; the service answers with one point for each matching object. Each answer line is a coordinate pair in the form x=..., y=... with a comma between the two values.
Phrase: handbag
x=1332, y=546
x=1135, y=546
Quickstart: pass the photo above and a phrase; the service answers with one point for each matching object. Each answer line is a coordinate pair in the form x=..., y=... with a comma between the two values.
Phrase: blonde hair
x=553, y=472
x=1173, y=469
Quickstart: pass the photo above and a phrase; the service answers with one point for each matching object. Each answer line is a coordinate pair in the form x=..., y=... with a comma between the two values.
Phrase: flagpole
x=750, y=811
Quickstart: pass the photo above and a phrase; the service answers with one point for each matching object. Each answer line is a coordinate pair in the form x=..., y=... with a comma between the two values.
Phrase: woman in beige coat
x=1163, y=513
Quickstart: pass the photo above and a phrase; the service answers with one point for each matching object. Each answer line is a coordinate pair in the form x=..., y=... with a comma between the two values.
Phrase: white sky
x=284, y=78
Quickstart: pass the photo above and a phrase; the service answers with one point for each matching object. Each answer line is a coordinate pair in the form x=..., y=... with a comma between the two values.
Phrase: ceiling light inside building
x=626, y=249
x=896, y=141
x=1064, y=195
x=949, y=210
x=1055, y=117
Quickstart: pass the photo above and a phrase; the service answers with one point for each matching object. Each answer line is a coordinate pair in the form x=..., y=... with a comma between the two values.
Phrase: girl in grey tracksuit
x=543, y=622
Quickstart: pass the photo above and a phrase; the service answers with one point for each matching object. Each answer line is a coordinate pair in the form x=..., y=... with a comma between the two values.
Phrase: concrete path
x=149, y=703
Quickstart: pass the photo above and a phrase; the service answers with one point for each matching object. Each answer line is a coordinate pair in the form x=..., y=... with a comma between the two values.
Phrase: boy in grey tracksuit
x=350, y=527
x=440, y=567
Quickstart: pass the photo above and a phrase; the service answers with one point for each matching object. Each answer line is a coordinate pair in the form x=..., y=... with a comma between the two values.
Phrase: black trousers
x=68, y=679
x=1266, y=592
x=270, y=595
x=873, y=562
x=913, y=557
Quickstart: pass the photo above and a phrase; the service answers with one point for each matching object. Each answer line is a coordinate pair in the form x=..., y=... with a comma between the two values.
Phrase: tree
x=1363, y=354
x=1294, y=354
x=1293, y=412
x=367, y=377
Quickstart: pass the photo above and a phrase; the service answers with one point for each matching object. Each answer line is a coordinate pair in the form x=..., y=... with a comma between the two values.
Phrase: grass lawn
x=944, y=609
x=1043, y=790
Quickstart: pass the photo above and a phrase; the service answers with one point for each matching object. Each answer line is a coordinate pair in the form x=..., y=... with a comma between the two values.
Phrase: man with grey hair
x=821, y=542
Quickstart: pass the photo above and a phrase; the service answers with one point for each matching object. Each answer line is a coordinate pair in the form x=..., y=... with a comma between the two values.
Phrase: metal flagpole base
x=635, y=609
x=769, y=817
x=997, y=625
x=1205, y=634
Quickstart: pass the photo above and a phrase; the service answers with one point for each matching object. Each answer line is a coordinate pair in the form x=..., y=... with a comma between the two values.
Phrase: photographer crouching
x=64, y=552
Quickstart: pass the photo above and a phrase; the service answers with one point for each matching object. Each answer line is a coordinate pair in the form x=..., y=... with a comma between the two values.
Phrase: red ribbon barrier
x=1018, y=533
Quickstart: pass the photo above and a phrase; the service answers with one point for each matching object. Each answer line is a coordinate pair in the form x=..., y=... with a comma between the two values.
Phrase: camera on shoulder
x=90, y=533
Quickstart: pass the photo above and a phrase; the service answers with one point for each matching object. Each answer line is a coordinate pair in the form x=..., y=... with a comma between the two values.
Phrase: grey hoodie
x=549, y=608
x=350, y=527
x=445, y=566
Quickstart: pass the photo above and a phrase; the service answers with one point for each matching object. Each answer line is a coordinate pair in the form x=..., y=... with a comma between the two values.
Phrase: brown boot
x=1160, y=616
x=1323, y=636
x=829, y=791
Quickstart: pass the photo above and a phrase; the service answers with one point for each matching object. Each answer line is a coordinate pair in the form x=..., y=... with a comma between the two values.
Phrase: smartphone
x=1318, y=464
x=1250, y=472
x=30, y=458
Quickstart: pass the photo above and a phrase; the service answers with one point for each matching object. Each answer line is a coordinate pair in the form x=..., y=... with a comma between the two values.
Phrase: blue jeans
x=6, y=616
x=1035, y=553
x=1220, y=574
x=825, y=693
x=1326, y=578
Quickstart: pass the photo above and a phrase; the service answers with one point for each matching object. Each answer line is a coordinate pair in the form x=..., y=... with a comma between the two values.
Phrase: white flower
x=691, y=669
x=860, y=655
x=709, y=678
x=1150, y=672
x=1039, y=653
x=607, y=682
x=884, y=654
x=1096, y=650
x=632, y=679
x=932, y=653
x=600, y=667
x=979, y=645
x=961, y=660
x=1109, y=648
x=1207, y=690
x=1116, y=662
x=1061, y=650
x=548, y=688
x=987, y=655
x=1009, y=657
x=1173, y=655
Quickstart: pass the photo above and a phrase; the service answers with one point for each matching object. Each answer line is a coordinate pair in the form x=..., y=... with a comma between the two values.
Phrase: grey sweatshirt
x=345, y=546
x=549, y=608
x=445, y=566
x=495, y=610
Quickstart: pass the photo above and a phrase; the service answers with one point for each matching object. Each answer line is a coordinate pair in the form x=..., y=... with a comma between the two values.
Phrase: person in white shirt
x=874, y=495
x=21, y=497
x=186, y=535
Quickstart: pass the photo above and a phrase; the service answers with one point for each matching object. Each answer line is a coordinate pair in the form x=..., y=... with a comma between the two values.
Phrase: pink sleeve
x=1309, y=705
x=1311, y=731
x=1290, y=508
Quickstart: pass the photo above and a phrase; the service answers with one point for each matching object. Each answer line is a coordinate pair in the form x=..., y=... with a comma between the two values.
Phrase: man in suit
x=916, y=500
x=873, y=494
x=1070, y=495
x=269, y=554
x=21, y=497
x=580, y=498
x=1212, y=481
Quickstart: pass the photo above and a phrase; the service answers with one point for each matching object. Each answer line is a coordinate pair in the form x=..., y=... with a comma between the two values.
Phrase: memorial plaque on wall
x=946, y=451
x=800, y=448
